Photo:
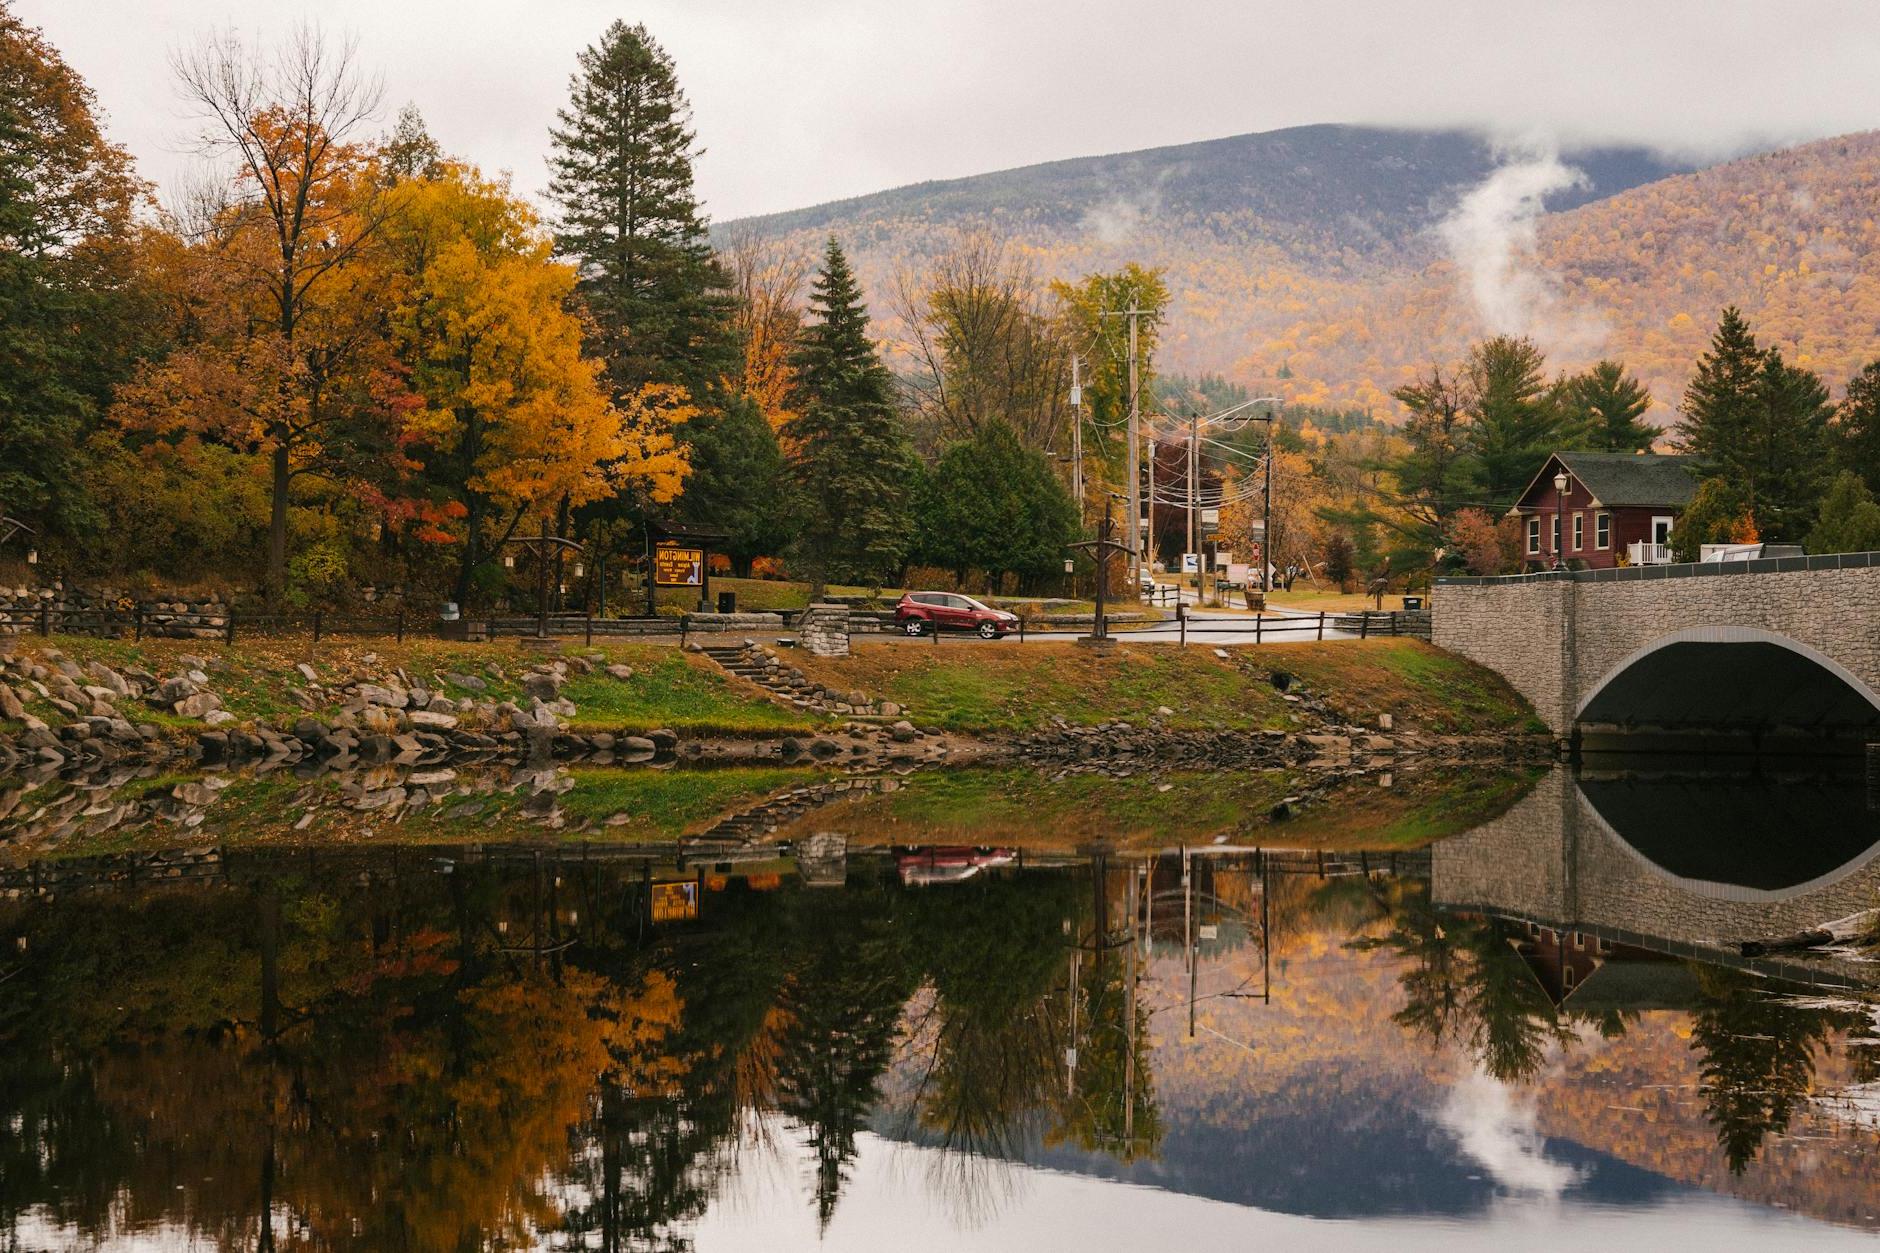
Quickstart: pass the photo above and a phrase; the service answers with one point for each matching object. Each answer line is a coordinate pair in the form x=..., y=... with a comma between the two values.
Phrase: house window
x=1579, y=531
x=1534, y=535
x=1602, y=530
x=1556, y=532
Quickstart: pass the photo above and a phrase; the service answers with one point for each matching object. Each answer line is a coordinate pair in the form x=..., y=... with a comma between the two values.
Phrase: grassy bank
x=669, y=688
x=1014, y=689
x=1024, y=808
x=607, y=805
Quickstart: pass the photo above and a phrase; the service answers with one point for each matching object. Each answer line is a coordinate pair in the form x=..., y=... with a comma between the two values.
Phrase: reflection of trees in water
x=1464, y=982
x=421, y=1063
x=1757, y=1055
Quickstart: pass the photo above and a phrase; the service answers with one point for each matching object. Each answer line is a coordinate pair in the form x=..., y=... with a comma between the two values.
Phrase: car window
x=925, y=598
x=958, y=602
x=973, y=604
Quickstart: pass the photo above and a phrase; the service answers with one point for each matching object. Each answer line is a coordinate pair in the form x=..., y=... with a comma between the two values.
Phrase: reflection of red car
x=920, y=612
x=948, y=864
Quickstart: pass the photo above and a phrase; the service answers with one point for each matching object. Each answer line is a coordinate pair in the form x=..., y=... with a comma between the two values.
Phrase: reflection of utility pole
x=1129, y=1052
x=1135, y=442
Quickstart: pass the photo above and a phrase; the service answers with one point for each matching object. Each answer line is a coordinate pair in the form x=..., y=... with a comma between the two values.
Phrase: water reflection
x=603, y=1046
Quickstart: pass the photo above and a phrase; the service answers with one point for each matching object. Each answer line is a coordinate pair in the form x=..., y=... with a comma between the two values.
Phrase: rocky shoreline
x=126, y=714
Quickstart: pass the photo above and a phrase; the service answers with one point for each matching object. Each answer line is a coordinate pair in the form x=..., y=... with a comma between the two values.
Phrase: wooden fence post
x=1364, y=623
x=590, y=630
x=1181, y=621
x=401, y=624
x=45, y=617
x=316, y=626
x=1321, y=626
x=231, y=625
x=137, y=631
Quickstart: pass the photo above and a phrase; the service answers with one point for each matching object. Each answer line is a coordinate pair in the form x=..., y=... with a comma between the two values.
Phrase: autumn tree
x=294, y=226
x=1485, y=544
x=628, y=217
x=849, y=452
x=68, y=302
x=1436, y=474
x=1605, y=408
x=1100, y=338
x=767, y=285
x=985, y=346
x=506, y=416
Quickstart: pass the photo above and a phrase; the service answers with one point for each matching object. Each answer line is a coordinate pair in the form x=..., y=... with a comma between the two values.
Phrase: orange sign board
x=675, y=902
x=678, y=567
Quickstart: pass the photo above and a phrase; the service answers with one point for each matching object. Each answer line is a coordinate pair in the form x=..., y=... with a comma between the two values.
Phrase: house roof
x=1619, y=479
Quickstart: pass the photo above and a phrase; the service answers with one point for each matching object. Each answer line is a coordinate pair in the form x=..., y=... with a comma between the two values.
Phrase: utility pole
x=1266, y=517
x=1077, y=435
x=1148, y=548
x=1134, y=537
x=1193, y=475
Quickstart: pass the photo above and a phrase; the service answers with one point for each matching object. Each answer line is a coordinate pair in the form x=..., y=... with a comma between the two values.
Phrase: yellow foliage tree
x=501, y=410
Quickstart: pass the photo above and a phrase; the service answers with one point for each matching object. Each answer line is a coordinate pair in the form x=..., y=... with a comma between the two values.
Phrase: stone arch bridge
x=1783, y=650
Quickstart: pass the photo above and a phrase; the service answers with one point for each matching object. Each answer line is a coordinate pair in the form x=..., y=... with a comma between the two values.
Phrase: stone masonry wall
x=1556, y=638
x=824, y=630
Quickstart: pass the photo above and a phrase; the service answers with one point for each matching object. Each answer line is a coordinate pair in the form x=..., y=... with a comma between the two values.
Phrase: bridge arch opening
x=1731, y=681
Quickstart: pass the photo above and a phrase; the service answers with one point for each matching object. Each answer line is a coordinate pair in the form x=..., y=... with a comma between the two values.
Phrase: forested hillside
x=1310, y=262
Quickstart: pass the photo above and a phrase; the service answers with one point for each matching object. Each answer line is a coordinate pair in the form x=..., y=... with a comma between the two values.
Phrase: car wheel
x=988, y=631
x=914, y=627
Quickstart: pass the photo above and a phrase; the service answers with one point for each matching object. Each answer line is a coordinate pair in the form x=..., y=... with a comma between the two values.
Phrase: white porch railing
x=1643, y=554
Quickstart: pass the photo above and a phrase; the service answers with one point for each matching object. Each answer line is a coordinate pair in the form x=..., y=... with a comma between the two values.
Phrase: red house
x=1593, y=510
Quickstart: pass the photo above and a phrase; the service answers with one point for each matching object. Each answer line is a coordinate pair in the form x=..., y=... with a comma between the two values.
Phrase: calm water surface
x=1533, y=1030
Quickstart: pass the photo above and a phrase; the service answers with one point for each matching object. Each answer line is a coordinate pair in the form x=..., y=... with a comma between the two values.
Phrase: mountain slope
x=1789, y=236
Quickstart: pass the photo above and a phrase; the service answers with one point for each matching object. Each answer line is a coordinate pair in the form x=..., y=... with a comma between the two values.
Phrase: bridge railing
x=1676, y=570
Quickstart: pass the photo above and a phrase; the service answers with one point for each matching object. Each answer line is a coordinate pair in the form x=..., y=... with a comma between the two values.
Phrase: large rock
x=428, y=718
x=196, y=705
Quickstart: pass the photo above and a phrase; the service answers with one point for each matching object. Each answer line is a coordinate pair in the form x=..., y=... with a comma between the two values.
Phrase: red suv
x=921, y=612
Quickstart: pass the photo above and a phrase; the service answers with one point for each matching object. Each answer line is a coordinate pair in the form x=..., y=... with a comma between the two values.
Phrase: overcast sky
x=800, y=101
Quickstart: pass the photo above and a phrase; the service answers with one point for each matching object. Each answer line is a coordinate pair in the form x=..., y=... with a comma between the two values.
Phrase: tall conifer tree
x=1857, y=426
x=1605, y=409
x=1720, y=400
x=850, y=454
x=1516, y=424
x=1760, y=425
x=622, y=178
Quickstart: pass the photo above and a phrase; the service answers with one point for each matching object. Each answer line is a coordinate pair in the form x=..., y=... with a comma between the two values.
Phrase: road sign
x=678, y=567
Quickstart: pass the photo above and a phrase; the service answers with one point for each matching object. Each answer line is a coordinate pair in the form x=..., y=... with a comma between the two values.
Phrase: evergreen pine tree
x=1514, y=423
x=851, y=457
x=1605, y=407
x=1721, y=399
x=1857, y=426
x=1786, y=466
x=622, y=177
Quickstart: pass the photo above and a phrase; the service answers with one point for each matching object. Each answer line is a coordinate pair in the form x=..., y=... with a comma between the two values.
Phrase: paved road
x=1205, y=629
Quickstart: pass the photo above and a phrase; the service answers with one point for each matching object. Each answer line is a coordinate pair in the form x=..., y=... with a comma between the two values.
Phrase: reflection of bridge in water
x=1682, y=866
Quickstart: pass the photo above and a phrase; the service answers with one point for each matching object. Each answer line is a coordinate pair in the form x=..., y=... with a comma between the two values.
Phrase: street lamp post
x=1560, y=517
x=541, y=547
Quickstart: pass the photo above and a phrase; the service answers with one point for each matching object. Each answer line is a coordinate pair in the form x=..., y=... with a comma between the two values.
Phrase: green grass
x=1418, y=684
x=1014, y=689
x=1023, y=807
x=668, y=803
x=669, y=688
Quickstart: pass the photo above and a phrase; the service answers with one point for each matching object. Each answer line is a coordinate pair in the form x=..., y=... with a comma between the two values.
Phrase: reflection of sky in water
x=888, y=1205
x=1494, y=1124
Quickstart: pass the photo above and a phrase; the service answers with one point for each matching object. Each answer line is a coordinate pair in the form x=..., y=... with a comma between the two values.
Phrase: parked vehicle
x=934, y=865
x=917, y=613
